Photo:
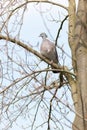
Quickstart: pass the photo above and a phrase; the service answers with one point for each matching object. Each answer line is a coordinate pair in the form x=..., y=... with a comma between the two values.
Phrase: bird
x=48, y=49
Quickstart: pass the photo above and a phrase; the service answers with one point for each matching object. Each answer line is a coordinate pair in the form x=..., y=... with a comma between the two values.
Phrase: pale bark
x=72, y=19
x=80, y=54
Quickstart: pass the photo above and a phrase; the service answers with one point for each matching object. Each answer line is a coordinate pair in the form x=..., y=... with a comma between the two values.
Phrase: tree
x=28, y=87
x=79, y=53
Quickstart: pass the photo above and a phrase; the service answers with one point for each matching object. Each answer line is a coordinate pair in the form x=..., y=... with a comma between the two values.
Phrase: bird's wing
x=48, y=49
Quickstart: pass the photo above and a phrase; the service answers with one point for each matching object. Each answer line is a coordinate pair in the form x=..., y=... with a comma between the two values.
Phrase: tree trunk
x=80, y=41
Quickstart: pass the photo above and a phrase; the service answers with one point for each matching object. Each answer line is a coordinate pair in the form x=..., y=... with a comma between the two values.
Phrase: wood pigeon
x=48, y=49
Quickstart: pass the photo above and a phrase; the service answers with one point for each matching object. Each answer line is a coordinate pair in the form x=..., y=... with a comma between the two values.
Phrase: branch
x=49, y=2
x=19, y=43
x=31, y=1
x=50, y=108
x=73, y=86
x=60, y=29
x=72, y=20
x=39, y=1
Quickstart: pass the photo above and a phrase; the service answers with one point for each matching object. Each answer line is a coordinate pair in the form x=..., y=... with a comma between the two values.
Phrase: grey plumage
x=48, y=49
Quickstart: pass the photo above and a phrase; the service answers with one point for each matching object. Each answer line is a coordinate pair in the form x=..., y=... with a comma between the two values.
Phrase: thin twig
x=60, y=29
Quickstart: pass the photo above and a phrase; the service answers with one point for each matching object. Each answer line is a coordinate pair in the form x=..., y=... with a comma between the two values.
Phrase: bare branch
x=59, y=68
x=60, y=29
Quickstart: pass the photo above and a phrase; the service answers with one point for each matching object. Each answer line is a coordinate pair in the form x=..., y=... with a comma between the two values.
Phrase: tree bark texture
x=80, y=54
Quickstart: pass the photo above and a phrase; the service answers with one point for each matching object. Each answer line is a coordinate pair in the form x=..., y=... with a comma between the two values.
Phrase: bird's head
x=43, y=35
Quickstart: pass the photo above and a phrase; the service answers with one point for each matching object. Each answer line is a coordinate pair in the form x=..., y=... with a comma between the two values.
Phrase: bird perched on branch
x=48, y=49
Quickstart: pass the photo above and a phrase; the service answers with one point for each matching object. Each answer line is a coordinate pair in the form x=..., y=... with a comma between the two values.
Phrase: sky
x=33, y=26
x=33, y=30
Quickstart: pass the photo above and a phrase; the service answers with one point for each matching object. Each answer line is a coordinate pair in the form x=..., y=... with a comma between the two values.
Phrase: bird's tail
x=54, y=71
